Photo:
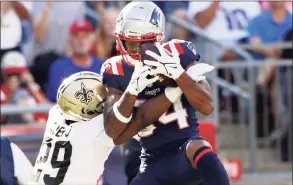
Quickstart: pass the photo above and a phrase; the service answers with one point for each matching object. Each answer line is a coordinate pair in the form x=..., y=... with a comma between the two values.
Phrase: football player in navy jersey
x=164, y=116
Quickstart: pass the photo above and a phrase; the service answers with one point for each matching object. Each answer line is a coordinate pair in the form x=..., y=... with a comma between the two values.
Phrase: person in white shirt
x=15, y=166
x=225, y=22
x=75, y=145
x=12, y=13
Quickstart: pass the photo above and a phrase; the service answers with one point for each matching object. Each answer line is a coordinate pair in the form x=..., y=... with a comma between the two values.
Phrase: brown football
x=152, y=47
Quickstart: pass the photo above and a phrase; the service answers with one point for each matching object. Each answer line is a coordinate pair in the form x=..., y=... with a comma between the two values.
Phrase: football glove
x=139, y=80
x=197, y=71
x=167, y=64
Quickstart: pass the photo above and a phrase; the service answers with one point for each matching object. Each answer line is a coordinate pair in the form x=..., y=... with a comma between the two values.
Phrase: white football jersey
x=72, y=154
x=230, y=21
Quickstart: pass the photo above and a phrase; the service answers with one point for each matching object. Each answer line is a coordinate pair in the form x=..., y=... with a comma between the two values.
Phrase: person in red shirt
x=19, y=87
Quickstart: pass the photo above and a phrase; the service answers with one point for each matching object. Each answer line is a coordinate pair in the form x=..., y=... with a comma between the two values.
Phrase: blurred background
x=249, y=43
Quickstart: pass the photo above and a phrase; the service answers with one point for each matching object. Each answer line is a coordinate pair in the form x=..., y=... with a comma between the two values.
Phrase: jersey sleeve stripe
x=114, y=67
x=120, y=68
x=179, y=48
x=109, y=70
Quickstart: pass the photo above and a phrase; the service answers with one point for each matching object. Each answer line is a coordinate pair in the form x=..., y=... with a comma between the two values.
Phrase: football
x=152, y=47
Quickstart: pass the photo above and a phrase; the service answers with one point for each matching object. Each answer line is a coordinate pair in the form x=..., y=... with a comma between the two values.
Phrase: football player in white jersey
x=75, y=145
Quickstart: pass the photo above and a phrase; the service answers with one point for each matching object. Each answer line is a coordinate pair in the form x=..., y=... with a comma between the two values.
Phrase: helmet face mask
x=139, y=22
x=81, y=96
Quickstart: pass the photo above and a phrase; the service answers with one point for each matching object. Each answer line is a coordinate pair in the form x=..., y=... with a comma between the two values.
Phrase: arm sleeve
x=190, y=55
x=186, y=50
x=108, y=79
x=22, y=166
x=196, y=7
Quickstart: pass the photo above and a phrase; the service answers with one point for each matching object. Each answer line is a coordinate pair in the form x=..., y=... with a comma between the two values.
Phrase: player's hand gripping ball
x=152, y=47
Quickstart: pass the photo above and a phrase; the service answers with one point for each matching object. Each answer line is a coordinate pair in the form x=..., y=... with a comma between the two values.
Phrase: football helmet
x=139, y=22
x=81, y=96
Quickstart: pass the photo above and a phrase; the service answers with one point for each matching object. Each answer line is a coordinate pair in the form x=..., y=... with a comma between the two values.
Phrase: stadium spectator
x=19, y=87
x=266, y=5
x=270, y=27
x=79, y=59
x=94, y=11
x=223, y=21
x=276, y=23
x=12, y=13
x=16, y=169
x=105, y=34
x=51, y=23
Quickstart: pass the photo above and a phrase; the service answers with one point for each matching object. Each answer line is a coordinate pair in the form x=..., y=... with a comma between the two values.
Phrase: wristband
x=119, y=116
x=173, y=93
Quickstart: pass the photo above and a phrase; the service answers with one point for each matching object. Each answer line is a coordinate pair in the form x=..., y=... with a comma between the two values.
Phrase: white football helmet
x=81, y=96
x=139, y=21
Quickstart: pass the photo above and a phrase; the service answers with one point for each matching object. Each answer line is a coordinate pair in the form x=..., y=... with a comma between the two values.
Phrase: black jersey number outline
x=62, y=165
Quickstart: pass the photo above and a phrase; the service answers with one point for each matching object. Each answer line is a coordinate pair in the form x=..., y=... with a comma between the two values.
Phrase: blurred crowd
x=44, y=42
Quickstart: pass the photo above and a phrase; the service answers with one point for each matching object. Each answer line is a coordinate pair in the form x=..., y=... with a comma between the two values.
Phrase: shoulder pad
x=113, y=66
x=178, y=46
x=186, y=51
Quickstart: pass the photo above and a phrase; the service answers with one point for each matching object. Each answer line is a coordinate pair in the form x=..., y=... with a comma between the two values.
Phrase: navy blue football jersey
x=179, y=122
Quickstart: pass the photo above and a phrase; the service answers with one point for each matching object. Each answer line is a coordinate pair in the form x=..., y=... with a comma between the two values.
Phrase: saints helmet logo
x=84, y=94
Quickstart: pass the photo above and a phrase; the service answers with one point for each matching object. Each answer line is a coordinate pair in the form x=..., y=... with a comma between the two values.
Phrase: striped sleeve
x=186, y=51
x=111, y=70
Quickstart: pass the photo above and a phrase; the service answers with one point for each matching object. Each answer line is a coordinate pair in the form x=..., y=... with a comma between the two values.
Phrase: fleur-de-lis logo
x=84, y=94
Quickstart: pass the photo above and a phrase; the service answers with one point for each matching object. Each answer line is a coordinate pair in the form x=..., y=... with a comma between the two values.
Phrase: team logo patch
x=84, y=94
x=191, y=47
x=156, y=17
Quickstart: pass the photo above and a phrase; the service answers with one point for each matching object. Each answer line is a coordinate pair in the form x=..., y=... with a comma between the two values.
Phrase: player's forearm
x=37, y=95
x=126, y=104
x=197, y=94
x=113, y=125
x=41, y=24
x=205, y=17
x=145, y=115
x=20, y=10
